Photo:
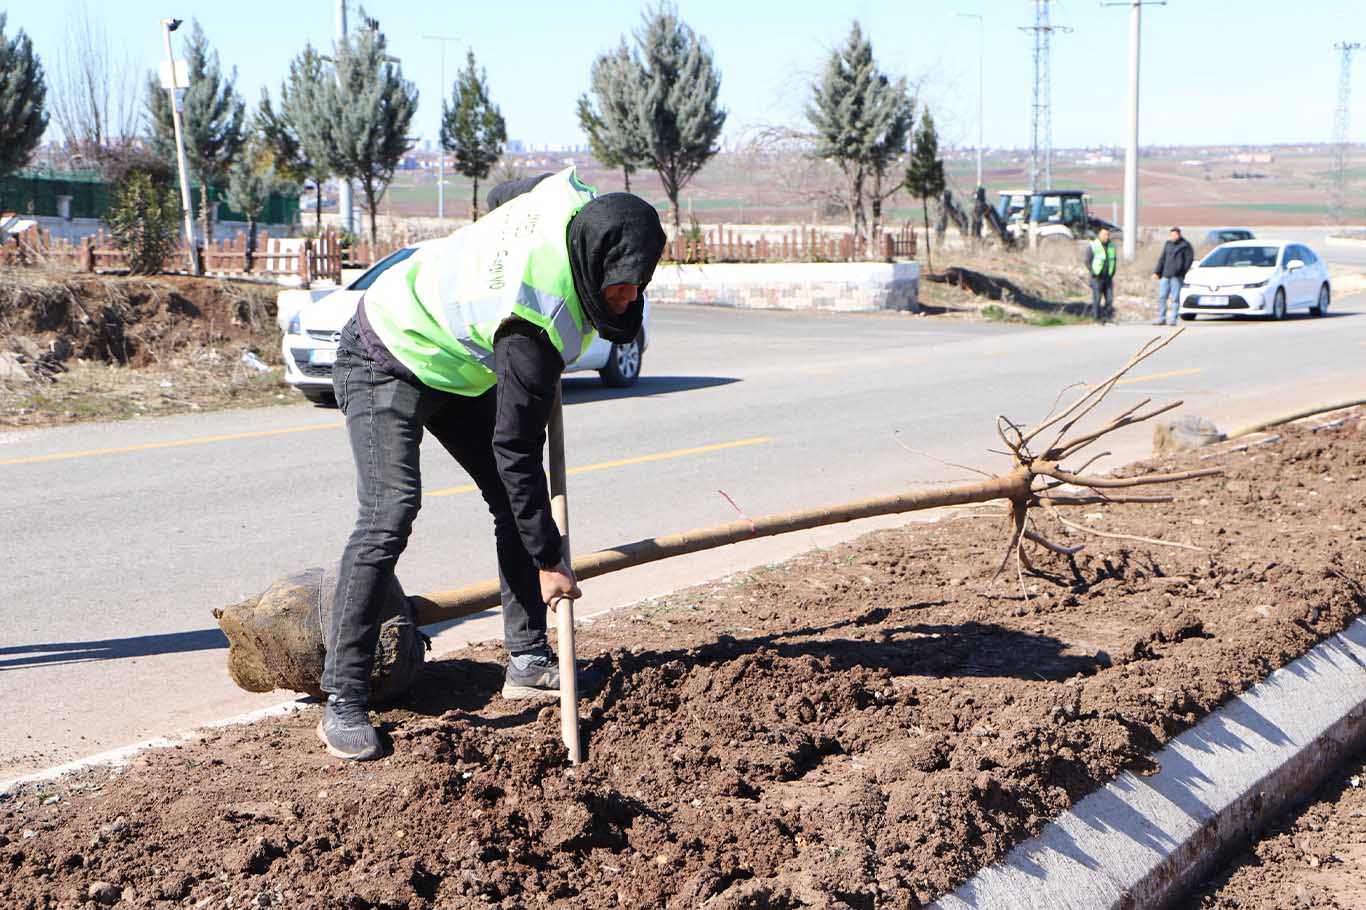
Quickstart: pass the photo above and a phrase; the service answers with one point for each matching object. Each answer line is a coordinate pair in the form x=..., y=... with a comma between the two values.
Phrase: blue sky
x=1214, y=72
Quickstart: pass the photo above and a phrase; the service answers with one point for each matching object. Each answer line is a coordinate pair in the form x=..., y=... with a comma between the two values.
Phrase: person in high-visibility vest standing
x=466, y=341
x=1099, y=259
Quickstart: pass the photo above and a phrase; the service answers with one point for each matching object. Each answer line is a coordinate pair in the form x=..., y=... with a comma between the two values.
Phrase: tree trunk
x=474, y=205
x=626, y=176
x=372, y=207
x=929, y=255
x=251, y=244
x=318, y=209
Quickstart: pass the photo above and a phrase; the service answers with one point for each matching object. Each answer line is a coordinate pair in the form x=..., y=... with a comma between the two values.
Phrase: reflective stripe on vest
x=1102, y=258
x=439, y=315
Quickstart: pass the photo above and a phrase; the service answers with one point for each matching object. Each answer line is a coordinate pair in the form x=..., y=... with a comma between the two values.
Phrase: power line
x=1041, y=135
x=1341, y=130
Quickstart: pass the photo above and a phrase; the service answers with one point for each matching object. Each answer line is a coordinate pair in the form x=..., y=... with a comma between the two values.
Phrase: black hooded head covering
x=614, y=239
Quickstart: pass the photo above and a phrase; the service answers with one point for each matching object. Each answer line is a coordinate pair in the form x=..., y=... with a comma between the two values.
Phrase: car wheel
x=1187, y=317
x=323, y=397
x=623, y=365
x=1321, y=308
x=1278, y=306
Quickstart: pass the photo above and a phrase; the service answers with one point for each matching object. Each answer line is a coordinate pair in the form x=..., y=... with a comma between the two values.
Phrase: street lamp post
x=168, y=26
x=981, y=57
x=1131, y=149
x=440, y=149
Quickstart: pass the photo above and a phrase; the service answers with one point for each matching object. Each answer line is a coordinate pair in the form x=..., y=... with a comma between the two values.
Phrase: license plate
x=1214, y=301
x=322, y=357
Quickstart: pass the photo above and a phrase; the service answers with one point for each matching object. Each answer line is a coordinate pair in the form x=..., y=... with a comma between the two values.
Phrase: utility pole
x=344, y=204
x=1131, y=149
x=981, y=56
x=1041, y=143
x=173, y=84
x=440, y=149
x=1341, y=130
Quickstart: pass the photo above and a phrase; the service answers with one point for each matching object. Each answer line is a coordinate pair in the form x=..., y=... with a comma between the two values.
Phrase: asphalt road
x=120, y=538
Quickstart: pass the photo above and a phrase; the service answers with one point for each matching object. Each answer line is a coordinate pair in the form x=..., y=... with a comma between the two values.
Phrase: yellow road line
x=175, y=443
x=624, y=462
x=1171, y=374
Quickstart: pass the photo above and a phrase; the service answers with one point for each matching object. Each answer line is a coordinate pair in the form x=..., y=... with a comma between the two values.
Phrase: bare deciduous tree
x=94, y=97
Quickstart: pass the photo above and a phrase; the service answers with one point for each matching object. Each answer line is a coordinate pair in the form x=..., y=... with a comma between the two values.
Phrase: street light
x=1131, y=150
x=172, y=84
x=440, y=150
x=981, y=56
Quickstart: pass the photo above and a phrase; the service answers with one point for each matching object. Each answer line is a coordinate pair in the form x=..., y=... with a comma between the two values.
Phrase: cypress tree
x=472, y=127
x=861, y=120
x=363, y=116
x=23, y=96
x=677, y=116
x=213, y=120
x=291, y=156
x=610, y=124
x=251, y=180
x=925, y=175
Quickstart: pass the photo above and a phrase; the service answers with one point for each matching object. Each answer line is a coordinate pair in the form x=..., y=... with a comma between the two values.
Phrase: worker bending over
x=466, y=340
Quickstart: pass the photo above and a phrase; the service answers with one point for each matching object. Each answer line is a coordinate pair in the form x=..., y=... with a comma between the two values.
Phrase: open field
x=862, y=726
x=1179, y=186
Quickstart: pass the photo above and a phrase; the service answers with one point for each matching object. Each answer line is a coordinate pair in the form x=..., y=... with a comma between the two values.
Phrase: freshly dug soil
x=1316, y=858
x=862, y=727
x=100, y=346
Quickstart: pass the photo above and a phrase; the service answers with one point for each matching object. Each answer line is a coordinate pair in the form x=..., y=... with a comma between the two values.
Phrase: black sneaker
x=346, y=730
x=536, y=674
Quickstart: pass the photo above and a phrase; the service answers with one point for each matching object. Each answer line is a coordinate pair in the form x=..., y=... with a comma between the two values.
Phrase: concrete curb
x=1142, y=841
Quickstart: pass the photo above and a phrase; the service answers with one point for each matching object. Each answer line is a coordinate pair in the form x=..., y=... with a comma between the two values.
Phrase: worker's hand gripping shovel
x=564, y=606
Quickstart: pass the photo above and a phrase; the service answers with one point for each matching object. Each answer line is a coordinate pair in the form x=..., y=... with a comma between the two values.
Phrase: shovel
x=564, y=606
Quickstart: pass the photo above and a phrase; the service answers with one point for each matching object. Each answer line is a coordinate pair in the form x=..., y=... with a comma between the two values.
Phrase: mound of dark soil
x=859, y=727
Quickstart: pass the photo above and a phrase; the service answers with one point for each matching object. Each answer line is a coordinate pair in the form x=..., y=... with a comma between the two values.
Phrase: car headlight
x=1259, y=284
x=294, y=327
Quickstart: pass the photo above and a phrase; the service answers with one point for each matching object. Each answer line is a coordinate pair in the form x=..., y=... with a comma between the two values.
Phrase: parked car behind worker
x=311, y=335
x=1258, y=278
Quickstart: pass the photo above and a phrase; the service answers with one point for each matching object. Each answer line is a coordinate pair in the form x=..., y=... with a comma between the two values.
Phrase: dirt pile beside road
x=859, y=727
x=77, y=346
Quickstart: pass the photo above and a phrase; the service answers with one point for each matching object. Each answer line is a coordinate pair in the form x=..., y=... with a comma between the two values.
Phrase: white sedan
x=1257, y=278
x=312, y=332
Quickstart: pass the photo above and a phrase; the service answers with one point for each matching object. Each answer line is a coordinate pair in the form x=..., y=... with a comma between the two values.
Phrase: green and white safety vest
x=439, y=311
x=1102, y=258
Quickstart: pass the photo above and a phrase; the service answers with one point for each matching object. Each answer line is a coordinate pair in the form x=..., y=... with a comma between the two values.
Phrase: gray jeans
x=1168, y=287
x=1102, y=298
x=386, y=418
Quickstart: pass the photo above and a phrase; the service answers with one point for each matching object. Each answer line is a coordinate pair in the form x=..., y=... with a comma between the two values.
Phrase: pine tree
x=23, y=96
x=472, y=127
x=213, y=120
x=296, y=134
x=610, y=125
x=925, y=175
x=251, y=180
x=363, y=116
x=676, y=113
x=861, y=119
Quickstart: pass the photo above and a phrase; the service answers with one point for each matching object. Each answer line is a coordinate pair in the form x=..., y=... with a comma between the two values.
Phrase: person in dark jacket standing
x=1099, y=259
x=467, y=340
x=1170, y=272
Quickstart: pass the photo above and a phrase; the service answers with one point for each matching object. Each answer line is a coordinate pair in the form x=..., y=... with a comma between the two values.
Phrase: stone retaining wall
x=842, y=286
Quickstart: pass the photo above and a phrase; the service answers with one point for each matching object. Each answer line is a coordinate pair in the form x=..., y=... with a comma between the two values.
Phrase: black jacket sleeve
x=528, y=369
x=1161, y=260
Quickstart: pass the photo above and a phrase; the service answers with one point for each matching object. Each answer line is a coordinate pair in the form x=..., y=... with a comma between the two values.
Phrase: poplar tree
x=363, y=116
x=677, y=116
x=861, y=120
x=610, y=123
x=472, y=127
x=213, y=120
x=23, y=96
x=925, y=175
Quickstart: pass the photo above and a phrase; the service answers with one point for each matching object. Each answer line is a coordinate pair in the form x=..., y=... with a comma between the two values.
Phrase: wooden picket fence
x=798, y=245
x=304, y=259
